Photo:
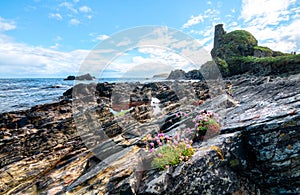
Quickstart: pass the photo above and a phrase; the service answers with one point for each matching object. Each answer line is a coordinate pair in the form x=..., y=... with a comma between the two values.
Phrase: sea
x=23, y=93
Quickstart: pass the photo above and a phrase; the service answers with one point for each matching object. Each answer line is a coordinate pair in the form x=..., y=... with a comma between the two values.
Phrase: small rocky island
x=81, y=77
x=78, y=146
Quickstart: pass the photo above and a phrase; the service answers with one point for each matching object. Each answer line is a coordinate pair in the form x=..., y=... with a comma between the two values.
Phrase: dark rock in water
x=52, y=87
x=80, y=147
x=182, y=75
x=82, y=77
x=85, y=77
x=194, y=75
x=177, y=75
x=70, y=78
x=163, y=75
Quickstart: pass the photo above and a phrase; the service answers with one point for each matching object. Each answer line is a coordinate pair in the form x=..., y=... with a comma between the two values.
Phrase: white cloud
x=56, y=16
x=204, y=41
x=210, y=14
x=193, y=21
x=69, y=6
x=274, y=23
x=124, y=42
x=146, y=62
x=265, y=12
x=19, y=59
x=89, y=17
x=55, y=46
x=85, y=9
x=98, y=37
x=6, y=25
x=74, y=22
x=102, y=37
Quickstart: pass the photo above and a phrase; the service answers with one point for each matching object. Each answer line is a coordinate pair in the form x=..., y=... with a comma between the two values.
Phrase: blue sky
x=51, y=38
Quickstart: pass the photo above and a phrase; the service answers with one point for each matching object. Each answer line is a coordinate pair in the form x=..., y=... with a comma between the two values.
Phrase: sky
x=52, y=38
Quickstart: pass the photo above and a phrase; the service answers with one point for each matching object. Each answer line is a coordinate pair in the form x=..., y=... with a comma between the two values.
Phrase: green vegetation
x=270, y=65
x=237, y=43
x=267, y=51
x=240, y=37
x=237, y=52
x=206, y=126
x=222, y=65
x=170, y=151
x=278, y=60
x=122, y=113
x=262, y=48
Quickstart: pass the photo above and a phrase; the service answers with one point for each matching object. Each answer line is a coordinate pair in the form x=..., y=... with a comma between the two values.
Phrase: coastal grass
x=242, y=64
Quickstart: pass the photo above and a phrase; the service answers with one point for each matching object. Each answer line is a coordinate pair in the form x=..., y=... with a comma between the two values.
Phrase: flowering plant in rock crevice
x=206, y=125
x=170, y=151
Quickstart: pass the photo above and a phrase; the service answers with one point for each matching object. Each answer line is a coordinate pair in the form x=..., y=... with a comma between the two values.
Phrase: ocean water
x=20, y=94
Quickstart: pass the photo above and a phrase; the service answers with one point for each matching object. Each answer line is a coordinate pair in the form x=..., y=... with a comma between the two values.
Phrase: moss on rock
x=237, y=52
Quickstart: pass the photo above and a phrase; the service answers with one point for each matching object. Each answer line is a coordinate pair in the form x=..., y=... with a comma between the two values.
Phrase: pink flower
x=188, y=146
x=188, y=130
x=168, y=137
x=159, y=155
x=177, y=115
x=160, y=144
x=152, y=150
x=175, y=143
x=152, y=144
x=186, y=158
x=191, y=141
x=160, y=135
x=167, y=166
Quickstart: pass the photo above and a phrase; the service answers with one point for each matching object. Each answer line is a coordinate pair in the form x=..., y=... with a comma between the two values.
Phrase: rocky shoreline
x=45, y=150
x=96, y=139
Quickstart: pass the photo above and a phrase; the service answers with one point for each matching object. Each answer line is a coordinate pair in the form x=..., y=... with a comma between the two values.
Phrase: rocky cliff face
x=257, y=151
x=237, y=52
x=235, y=43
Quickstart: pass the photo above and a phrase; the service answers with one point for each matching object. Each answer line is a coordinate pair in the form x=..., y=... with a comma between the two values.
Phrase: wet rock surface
x=78, y=146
